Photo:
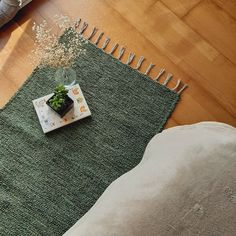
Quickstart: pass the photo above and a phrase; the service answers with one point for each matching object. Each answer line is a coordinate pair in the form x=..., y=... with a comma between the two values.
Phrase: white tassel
x=105, y=43
x=98, y=38
x=77, y=23
x=149, y=68
x=162, y=71
x=121, y=53
x=140, y=61
x=92, y=33
x=168, y=78
x=130, y=58
x=182, y=89
x=114, y=48
x=84, y=27
x=177, y=85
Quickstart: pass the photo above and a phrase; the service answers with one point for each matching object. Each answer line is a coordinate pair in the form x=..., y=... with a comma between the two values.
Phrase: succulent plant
x=59, y=97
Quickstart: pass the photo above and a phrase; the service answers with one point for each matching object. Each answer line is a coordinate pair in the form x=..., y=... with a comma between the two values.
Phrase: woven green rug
x=47, y=182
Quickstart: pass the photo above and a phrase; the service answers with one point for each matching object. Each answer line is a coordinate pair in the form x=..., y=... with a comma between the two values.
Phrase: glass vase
x=65, y=76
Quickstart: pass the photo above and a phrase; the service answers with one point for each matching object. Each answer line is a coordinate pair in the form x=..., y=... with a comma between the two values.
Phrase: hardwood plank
x=7, y=87
x=181, y=44
x=14, y=62
x=170, y=123
x=216, y=26
x=180, y=7
x=228, y=6
x=200, y=106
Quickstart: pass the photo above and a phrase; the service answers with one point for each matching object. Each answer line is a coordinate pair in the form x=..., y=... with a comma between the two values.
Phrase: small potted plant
x=60, y=102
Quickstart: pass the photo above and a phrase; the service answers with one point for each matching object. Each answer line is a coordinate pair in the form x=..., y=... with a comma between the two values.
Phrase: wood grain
x=155, y=29
x=180, y=7
x=187, y=49
x=228, y=6
x=216, y=26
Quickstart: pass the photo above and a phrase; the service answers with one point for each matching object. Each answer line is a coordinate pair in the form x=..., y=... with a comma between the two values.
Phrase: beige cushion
x=185, y=185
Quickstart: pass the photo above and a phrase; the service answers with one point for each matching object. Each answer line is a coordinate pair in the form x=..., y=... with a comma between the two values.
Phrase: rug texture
x=47, y=182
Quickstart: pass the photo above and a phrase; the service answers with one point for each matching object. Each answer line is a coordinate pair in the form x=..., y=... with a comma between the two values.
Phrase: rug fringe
x=168, y=78
x=83, y=28
x=177, y=85
x=130, y=58
x=107, y=40
x=121, y=52
x=77, y=23
x=94, y=31
x=114, y=48
x=140, y=62
x=161, y=72
x=149, y=68
x=98, y=38
x=182, y=89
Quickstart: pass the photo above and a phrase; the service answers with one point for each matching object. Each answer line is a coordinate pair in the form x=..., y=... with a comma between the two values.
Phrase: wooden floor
x=193, y=39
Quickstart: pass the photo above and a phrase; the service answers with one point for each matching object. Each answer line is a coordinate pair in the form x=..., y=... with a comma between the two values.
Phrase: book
x=50, y=120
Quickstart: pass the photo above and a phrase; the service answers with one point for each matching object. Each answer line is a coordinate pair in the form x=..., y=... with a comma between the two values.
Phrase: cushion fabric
x=184, y=185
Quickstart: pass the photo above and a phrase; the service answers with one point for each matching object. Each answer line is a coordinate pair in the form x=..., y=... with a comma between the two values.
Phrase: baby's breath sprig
x=50, y=50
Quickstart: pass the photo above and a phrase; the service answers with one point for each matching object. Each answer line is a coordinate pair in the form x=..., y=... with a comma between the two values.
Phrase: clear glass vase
x=65, y=76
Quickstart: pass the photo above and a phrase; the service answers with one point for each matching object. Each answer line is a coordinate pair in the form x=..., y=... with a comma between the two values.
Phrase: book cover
x=50, y=120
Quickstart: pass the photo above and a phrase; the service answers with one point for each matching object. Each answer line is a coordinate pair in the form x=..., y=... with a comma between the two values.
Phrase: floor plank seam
x=184, y=14
x=222, y=9
x=210, y=43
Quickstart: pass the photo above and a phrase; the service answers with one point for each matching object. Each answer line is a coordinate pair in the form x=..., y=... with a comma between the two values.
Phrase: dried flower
x=52, y=49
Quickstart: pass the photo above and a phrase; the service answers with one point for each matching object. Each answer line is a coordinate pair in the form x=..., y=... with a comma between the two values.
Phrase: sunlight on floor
x=15, y=46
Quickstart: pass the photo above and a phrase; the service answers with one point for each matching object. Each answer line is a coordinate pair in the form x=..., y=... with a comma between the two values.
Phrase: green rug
x=47, y=182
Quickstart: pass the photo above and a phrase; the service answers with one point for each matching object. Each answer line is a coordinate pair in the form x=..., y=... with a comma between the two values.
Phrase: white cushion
x=184, y=185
